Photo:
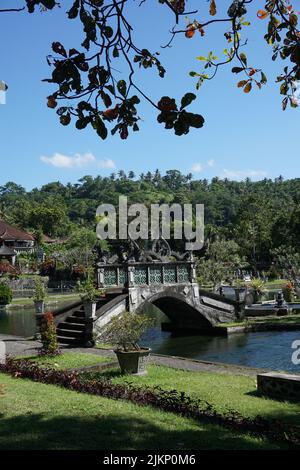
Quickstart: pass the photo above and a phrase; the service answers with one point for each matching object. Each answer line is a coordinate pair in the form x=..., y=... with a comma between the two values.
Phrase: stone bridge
x=170, y=286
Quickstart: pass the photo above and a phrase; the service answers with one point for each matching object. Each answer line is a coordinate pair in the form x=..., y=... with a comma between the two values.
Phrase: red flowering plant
x=288, y=291
x=48, y=336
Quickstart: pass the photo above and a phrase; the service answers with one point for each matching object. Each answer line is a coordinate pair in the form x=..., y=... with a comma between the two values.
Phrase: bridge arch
x=179, y=309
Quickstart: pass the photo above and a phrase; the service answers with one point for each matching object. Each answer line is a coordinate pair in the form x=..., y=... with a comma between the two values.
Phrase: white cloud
x=197, y=168
x=77, y=161
x=107, y=164
x=211, y=162
x=242, y=174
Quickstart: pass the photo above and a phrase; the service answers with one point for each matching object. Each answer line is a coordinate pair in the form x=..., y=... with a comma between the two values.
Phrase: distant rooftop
x=8, y=232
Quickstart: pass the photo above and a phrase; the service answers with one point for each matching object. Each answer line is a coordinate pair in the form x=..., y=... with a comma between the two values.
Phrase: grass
x=225, y=391
x=288, y=319
x=276, y=284
x=69, y=360
x=50, y=300
x=39, y=416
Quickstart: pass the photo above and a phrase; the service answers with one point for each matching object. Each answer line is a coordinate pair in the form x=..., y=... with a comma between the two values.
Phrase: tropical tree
x=220, y=263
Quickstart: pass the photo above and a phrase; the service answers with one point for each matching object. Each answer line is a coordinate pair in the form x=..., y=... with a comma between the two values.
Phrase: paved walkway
x=18, y=346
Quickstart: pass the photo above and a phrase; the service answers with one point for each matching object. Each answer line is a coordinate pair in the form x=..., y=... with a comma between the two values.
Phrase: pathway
x=18, y=346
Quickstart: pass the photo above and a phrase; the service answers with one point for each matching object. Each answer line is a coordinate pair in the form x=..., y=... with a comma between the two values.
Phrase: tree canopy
x=88, y=92
x=262, y=218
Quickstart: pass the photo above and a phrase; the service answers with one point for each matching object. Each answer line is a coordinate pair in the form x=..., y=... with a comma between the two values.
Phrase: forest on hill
x=245, y=220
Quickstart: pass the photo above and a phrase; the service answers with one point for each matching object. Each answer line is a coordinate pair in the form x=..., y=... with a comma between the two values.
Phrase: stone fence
x=141, y=274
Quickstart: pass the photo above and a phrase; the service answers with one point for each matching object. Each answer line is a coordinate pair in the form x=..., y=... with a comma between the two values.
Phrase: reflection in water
x=21, y=322
x=271, y=350
x=18, y=322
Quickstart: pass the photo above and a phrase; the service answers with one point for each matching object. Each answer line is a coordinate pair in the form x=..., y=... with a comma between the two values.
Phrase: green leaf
x=121, y=85
x=263, y=78
x=115, y=52
x=243, y=58
x=201, y=57
x=100, y=128
x=283, y=88
x=194, y=74
x=187, y=99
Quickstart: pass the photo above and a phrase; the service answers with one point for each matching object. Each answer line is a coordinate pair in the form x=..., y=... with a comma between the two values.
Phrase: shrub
x=88, y=291
x=125, y=331
x=288, y=292
x=5, y=294
x=48, y=336
x=39, y=290
x=258, y=285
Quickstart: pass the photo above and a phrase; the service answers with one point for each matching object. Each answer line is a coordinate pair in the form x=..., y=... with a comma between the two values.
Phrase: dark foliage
x=85, y=76
x=165, y=400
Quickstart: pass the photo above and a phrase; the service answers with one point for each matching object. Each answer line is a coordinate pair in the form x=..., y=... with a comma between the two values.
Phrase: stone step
x=79, y=320
x=71, y=326
x=68, y=340
x=78, y=313
x=61, y=332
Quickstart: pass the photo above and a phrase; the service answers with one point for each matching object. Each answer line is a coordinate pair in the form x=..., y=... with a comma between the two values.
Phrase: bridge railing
x=141, y=274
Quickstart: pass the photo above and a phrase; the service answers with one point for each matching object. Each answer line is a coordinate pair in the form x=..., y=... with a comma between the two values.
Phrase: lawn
x=276, y=284
x=69, y=360
x=57, y=298
x=287, y=319
x=224, y=391
x=39, y=416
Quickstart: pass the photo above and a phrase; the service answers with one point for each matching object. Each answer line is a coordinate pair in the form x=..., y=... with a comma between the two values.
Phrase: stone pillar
x=131, y=270
x=133, y=299
x=2, y=352
x=100, y=276
x=193, y=272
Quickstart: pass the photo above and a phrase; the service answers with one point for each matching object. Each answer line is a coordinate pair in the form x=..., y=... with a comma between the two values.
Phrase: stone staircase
x=75, y=329
x=72, y=330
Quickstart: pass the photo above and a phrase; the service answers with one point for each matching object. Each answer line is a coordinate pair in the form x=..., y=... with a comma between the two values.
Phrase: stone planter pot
x=90, y=309
x=133, y=362
x=39, y=306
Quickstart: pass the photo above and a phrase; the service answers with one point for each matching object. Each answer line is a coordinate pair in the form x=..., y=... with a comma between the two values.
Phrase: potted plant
x=258, y=287
x=5, y=294
x=124, y=332
x=89, y=295
x=39, y=296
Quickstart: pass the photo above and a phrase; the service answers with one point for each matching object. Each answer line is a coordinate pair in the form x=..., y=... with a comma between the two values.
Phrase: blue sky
x=244, y=135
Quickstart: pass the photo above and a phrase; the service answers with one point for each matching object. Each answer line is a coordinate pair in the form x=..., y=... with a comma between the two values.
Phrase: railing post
x=193, y=274
x=100, y=277
x=130, y=272
x=176, y=273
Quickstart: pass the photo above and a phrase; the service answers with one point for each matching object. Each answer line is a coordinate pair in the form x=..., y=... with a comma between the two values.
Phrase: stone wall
x=26, y=283
x=277, y=385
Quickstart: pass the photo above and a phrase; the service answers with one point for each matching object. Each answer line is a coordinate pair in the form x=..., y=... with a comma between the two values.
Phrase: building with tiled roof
x=14, y=241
